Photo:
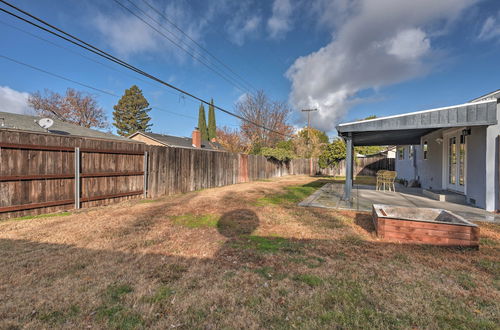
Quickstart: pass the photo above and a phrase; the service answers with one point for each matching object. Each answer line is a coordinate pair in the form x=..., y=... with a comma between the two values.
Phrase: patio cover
x=407, y=129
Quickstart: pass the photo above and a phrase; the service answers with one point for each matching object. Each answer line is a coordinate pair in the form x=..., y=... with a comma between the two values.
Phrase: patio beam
x=349, y=167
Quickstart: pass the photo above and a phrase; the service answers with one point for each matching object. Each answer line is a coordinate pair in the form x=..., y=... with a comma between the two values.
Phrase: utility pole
x=308, y=118
x=311, y=171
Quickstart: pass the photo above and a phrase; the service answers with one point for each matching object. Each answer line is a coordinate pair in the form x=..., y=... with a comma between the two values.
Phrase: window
x=425, y=147
x=461, y=161
x=410, y=152
x=401, y=153
x=452, y=160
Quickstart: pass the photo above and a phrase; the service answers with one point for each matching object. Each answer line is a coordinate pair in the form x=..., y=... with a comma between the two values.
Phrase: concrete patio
x=363, y=196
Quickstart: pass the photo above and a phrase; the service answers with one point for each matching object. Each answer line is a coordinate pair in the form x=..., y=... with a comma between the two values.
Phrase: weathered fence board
x=37, y=172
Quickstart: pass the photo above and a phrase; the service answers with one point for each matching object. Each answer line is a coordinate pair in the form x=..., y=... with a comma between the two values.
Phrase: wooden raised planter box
x=424, y=226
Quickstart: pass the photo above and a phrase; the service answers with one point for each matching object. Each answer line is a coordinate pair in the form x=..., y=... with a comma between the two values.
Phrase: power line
x=196, y=43
x=90, y=59
x=81, y=84
x=112, y=58
x=83, y=56
x=243, y=82
x=222, y=75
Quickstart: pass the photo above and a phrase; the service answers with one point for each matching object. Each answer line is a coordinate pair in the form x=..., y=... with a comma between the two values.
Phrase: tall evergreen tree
x=202, y=123
x=212, y=127
x=131, y=112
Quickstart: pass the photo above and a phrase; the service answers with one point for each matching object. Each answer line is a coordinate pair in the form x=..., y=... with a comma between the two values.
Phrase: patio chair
x=380, y=180
x=388, y=178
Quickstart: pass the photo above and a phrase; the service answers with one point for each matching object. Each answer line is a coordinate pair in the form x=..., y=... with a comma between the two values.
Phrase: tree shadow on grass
x=238, y=222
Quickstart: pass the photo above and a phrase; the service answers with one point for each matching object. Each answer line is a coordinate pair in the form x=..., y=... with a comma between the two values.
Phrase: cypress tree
x=212, y=127
x=202, y=123
x=131, y=112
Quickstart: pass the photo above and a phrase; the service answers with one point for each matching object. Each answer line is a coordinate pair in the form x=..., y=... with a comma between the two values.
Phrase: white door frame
x=446, y=142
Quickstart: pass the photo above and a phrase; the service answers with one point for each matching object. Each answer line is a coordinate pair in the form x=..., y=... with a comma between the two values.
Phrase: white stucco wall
x=482, y=186
x=492, y=165
x=430, y=170
x=405, y=168
x=476, y=164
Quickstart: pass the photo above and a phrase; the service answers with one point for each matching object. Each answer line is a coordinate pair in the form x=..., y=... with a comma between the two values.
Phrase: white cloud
x=241, y=27
x=409, y=44
x=128, y=36
x=374, y=44
x=280, y=21
x=14, y=101
x=491, y=28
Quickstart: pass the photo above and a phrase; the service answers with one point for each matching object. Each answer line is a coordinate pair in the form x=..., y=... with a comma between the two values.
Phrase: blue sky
x=350, y=59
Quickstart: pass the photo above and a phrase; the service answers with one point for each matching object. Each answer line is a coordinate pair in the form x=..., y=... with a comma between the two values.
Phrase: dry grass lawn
x=242, y=256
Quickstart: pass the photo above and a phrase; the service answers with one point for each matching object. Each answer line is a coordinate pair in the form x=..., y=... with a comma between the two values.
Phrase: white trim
x=418, y=112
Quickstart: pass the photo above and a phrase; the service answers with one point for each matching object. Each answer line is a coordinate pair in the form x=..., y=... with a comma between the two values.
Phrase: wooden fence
x=362, y=166
x=178, y=170
x=42, y=173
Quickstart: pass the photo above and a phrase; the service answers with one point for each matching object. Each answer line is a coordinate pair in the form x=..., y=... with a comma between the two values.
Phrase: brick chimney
x=196, y=138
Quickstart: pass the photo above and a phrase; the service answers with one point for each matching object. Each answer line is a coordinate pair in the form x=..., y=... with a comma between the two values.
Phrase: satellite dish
x=45, y=123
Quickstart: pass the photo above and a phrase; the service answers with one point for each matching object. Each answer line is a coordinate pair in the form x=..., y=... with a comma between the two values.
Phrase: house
x=451, y=150
x=13, y=121
x=389, y=152
x=176, y=141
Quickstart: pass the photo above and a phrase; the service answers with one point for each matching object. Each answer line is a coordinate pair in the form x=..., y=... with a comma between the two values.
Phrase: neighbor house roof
x=29, y=123
x=177, y=141
x=406, y=129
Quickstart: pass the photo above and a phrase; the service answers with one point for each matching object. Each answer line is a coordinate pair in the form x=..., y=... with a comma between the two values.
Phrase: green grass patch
x=360, y=179
x=309, y=261
x=292, y=194
x=487, y=241
x=114, y=312
x=466, y=281
x=311, y=280
x=196, y=221
x=490, y=266
x=59, y=317
x=40, y=216
x=352, y=239
x=267, y=244
x=119, y=317
x=162, y=294
x=146, y=201
x=114, y=292
x=403, y=258
x=269, y=273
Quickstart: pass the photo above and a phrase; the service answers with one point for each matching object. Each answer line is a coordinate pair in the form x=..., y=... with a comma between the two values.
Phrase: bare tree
x=74, y=106
x=259, y=109
x=231, y=139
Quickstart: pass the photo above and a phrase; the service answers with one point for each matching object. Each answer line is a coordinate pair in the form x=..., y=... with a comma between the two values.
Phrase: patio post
x=349, y=167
